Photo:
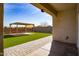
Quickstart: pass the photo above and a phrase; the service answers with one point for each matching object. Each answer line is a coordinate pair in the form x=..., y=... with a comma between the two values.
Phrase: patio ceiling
x=63, y=6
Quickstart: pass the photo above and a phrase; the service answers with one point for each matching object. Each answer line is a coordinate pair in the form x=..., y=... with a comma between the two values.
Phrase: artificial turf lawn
x=12, y=41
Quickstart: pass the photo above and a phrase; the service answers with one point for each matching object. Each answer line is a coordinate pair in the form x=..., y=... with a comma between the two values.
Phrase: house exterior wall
x=65, y=26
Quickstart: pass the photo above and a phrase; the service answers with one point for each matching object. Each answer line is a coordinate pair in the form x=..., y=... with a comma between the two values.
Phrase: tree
x=44, y=24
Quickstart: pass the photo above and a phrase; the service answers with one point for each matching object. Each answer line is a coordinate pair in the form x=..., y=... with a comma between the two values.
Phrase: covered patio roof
x=20, y=23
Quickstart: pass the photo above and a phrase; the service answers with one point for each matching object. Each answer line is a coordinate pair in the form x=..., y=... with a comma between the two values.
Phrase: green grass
x=10, y=41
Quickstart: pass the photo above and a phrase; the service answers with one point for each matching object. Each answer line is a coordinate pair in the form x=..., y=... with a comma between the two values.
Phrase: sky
x=25, y=13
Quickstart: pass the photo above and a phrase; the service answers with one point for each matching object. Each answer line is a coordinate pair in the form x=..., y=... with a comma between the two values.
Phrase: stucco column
x=1, y=29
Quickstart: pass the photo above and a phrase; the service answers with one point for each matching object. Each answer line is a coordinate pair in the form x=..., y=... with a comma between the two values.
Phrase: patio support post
x=25, y=28
x=33, y=27
x=10, y=28
x=16, y=28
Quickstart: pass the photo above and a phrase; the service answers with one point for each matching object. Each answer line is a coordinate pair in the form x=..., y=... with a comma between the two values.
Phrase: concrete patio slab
x=43, y=51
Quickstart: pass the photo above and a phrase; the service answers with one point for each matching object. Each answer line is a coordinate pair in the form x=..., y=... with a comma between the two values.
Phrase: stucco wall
x=78, y=27
x=65, y=26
